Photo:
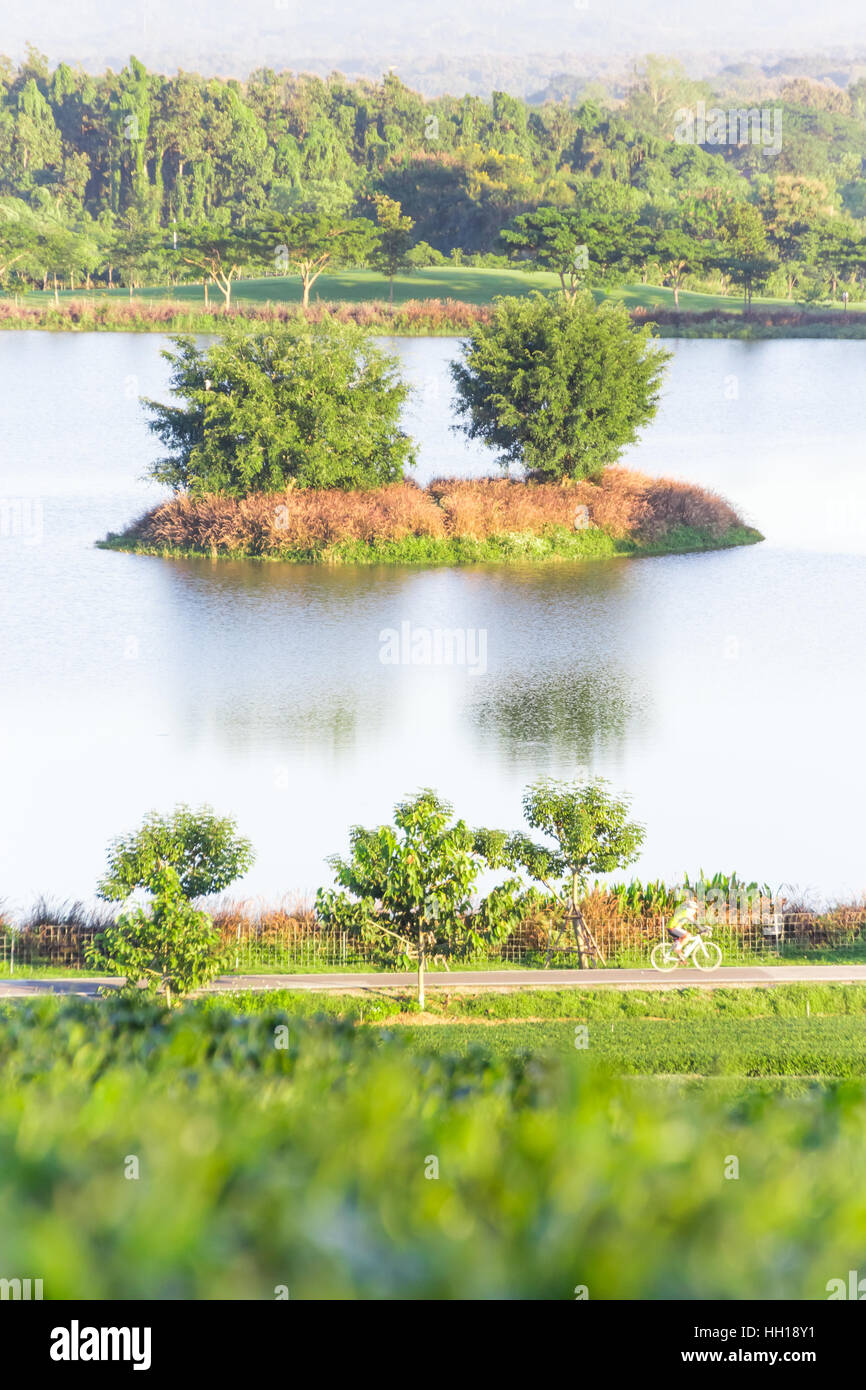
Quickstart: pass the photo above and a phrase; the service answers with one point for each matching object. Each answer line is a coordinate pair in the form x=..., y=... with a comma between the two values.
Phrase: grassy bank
x=779, y=1002
x=452, y=521
x=432, y=302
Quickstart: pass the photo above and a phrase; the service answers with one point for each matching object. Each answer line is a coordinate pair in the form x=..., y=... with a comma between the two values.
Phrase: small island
x=453, y=521
x=287, y=445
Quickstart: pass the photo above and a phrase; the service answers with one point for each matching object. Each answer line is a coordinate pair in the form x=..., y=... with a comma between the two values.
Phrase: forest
x=135, y=178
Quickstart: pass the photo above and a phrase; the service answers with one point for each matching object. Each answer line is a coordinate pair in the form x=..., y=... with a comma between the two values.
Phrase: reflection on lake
x=130, y=682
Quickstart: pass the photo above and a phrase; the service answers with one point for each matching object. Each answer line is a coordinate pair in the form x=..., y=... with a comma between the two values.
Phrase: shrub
x=302, y=1165
x=624, y=504
x=558, y=385
x=309, y=405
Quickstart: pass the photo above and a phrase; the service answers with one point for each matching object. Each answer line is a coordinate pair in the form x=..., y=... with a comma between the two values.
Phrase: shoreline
x=515, y=547
x=419, y=318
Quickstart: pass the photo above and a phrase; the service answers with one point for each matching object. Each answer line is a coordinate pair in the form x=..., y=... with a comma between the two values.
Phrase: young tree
x=560, y=386
x=204, y=849
x=407, y=887
x=390, y=254
x=314, y=405
x=168, y=944
x=591, y=834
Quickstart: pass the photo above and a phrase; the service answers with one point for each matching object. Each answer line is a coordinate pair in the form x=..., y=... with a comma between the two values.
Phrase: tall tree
x=390, y=251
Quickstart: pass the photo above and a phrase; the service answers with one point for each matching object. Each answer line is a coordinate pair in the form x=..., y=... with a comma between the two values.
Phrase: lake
x=724, y=691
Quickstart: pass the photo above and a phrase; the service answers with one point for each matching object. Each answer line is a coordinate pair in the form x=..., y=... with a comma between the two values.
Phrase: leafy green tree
x=218, y=252
x=745, y=253
x=661, y=88
x=591, y=834
x=134, y=249
x=14, y=244
x=678, y=255
x=306, y=243
x=203, y=849
x=168, y=946
x=407, y=887
x=550, y=239
x=313, y=405
x=560, y=386
x=391, y=253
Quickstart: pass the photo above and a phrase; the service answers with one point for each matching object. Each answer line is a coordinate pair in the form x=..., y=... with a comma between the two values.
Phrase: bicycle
x=706, y=955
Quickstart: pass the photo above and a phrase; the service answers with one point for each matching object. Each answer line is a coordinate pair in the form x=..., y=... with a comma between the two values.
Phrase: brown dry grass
x=436, y=316
x=266, y=522
x=292, y=919
x=624, y=503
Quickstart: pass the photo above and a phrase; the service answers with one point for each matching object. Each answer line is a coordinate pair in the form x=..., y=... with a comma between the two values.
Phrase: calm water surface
x=724, y=691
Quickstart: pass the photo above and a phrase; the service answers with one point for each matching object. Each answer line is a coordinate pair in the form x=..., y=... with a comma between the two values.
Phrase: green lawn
x=814, y=1047
x=476, y=286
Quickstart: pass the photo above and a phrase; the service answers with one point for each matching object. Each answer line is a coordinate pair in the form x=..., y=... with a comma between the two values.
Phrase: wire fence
x=299, y=945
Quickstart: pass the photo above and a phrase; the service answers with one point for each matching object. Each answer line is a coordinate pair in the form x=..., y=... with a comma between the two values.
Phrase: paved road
x=485, y=979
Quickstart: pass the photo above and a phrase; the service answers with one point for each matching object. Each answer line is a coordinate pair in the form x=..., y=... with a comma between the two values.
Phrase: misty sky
x=231, y=36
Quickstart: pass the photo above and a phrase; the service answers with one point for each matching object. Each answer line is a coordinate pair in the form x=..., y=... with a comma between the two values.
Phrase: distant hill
x=527, y=50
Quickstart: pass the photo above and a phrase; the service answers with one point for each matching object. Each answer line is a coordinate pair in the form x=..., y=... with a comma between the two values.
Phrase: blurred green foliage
x=304, y=1164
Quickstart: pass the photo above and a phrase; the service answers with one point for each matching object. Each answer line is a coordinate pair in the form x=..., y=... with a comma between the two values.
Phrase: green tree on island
x=308, y=405
x=560, y=386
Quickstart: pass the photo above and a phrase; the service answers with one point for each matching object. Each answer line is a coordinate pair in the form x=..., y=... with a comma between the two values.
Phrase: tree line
x=136, y=178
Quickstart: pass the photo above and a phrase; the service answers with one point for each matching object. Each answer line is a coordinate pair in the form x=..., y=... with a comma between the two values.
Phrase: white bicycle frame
x=688, y=950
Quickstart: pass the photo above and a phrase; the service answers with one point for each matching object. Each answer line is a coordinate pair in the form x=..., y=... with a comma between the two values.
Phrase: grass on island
x=451, y=522
x=506, y=549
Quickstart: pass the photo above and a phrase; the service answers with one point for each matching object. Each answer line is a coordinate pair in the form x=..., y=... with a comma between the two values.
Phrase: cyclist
x=685, y=917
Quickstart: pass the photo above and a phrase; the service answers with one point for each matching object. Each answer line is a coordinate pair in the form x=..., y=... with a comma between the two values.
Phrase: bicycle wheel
x=707, y=956
x=662, y=957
